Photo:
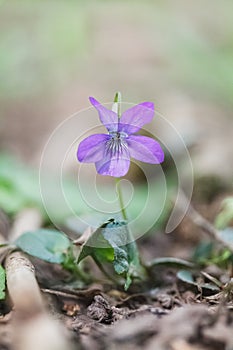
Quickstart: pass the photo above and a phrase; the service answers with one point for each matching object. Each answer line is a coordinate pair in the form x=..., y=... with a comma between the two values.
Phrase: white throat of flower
x=116, y=145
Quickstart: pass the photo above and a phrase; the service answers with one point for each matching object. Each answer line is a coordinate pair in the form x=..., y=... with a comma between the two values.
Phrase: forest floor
x=169, y=312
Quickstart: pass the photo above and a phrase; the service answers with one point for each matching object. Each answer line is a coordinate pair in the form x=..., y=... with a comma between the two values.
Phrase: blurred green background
x=179, y=54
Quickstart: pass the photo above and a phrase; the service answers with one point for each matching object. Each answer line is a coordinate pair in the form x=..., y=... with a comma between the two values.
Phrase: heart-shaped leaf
x=109, y=243
x=48, y=245
x=187, y=277
x=171, y=262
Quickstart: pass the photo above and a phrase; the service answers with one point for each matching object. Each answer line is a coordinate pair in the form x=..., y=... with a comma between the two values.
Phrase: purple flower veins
x=111, y=152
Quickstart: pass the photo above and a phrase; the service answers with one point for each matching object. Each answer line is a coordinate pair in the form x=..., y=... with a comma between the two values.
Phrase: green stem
x=70, y=264
x=120, y=197
x=117, y=102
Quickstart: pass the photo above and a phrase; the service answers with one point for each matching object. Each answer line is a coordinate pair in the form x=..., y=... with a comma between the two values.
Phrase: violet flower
x=111, y=152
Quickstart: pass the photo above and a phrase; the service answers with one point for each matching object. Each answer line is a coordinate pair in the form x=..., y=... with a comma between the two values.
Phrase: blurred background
x=55, y=54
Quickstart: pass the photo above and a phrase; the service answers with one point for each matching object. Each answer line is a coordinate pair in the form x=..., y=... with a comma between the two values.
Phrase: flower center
x=116, y=144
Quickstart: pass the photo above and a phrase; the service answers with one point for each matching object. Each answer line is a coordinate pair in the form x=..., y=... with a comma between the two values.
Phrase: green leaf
x=187, y=277
x=126, y=256
x=97, y=247
x=120, y=263
x=170, y=261
x=48, y=245
x=2, y=283
x=226, y=214
x=109, y=243
x=210, y=286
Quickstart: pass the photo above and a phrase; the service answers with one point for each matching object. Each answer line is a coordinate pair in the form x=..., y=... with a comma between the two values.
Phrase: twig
x=203, y=223
x=206, y=226
x=73, y=294
x=33, y=327
x=22, y=285
x=59, y=293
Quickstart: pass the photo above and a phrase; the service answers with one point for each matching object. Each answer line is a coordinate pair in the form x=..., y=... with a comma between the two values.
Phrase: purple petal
x=92, y=148
x=116, y=166
x=107, y=117
x=145, y=149
x=134, y=118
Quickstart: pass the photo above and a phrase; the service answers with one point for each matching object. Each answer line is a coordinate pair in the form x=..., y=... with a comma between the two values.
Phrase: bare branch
x=33, y=327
